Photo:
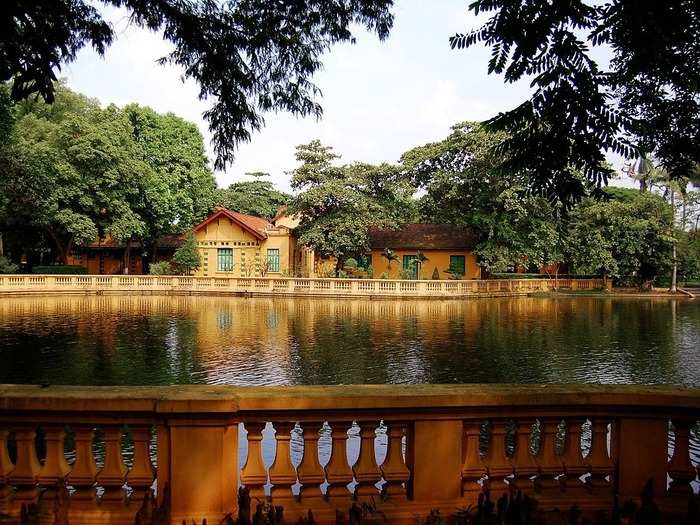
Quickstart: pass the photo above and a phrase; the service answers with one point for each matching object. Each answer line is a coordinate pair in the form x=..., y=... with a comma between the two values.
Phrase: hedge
x=58, y=269
x=510, y=275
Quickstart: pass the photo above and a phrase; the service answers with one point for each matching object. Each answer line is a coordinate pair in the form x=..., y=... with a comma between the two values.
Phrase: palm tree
x=419, y=261
x=390, y=256
x=648, y=174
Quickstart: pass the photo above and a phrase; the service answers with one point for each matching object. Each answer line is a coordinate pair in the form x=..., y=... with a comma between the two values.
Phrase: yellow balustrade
x=30, y=284
x=445, y=444
x=310, y=471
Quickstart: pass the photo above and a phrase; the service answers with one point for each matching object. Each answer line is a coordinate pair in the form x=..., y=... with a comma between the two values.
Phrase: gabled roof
x=256, y=226
x=423, y=237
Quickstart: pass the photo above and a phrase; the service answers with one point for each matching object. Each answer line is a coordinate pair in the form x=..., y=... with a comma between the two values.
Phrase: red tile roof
x=423, y=237
x=251, y=223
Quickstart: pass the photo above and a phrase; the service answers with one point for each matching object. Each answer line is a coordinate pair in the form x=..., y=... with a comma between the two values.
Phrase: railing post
x=436, y=454
x=203, y=464
x=680, y=468
x=642, y=445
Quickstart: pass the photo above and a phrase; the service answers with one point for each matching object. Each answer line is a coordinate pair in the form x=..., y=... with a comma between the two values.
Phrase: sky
x=379, y=98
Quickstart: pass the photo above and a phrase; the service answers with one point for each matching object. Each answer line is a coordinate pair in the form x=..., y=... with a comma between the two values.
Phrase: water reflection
x=164, y=340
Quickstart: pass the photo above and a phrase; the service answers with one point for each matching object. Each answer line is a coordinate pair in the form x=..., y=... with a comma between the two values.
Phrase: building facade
x=233, y=244
x=448, y=249
x=238, y=245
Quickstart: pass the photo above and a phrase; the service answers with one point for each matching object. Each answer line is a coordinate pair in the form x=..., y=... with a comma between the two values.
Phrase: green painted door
x=410, y=267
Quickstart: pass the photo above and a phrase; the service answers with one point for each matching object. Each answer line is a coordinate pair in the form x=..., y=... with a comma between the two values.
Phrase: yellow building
x=240, y=245
x=446, y=247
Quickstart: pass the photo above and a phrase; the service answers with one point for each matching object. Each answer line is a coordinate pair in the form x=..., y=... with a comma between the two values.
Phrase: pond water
x=252, y=341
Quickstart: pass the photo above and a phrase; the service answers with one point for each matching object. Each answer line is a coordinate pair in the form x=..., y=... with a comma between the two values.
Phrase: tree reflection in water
x=164, y=340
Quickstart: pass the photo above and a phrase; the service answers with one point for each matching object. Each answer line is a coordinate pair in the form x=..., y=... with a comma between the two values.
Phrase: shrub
x=515, y=275
x=60, y=269
x=384, y=275
x=7, y=266
x=187, y=255
x=350, y=264
x=160, y=268
x=436, y=275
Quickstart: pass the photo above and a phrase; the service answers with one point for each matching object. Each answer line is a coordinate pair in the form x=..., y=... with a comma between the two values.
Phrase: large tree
x=249, y=57
x=461, y=184
x=74, y=172
x=179, y=188
x=255, y=197
x=337, y=205
x=77, y=171
x=630, y=239
x=646, y=101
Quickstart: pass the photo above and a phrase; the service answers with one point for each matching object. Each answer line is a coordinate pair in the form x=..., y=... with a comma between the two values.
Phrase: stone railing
x=407, y=449
x=284, y=286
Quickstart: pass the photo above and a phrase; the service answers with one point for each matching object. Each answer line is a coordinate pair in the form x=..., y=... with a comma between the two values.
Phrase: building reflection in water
x=185, y=339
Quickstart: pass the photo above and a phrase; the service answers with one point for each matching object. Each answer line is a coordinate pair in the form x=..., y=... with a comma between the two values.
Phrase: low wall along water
x=286, y=286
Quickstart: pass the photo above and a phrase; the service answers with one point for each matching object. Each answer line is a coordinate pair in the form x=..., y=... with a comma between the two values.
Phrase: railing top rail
x=214, y=399
x=326, y=279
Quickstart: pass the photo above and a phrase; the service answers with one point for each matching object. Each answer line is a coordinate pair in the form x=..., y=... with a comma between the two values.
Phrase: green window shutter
x=410, y=267
x=458, y=264
x=273, y=260
x=224, y=260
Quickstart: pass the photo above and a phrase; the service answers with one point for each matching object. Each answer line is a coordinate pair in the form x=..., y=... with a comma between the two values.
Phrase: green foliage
x=689, y=256
x=160, y=268
x=60, y=269
x=436, y=275
x=272, y=50
x=76, y=171
x=581, y=109
x=512, y=275
x=464, y=186
x=418, y=262
x=454, y=272
x=621, y=194
x=351, y=263
x=178, y=188
x=390, y=257
x=257, y=197
x=631, y=240
x=337, y=205
x=186, y=257
x=7, y=266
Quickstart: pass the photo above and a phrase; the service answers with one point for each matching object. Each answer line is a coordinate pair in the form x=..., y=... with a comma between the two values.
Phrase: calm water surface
x=254, y=341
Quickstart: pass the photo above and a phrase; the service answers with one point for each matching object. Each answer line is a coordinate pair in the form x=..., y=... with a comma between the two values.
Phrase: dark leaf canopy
x=249, y=56
x=646, y=100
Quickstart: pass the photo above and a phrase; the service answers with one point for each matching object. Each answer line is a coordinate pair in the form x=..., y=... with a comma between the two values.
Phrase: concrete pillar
x=436, y=460
x=203, y=471
x=642, y=445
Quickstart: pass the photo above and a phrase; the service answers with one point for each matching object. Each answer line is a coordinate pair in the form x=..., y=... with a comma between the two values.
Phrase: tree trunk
x=2, y=246
x=63, y=250
x=127, y=257
x=338, y=266
x=674, y=272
